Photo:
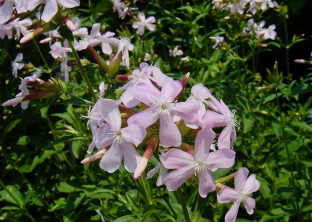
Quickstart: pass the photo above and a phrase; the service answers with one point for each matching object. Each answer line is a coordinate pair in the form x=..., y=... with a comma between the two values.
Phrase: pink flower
x=201, y=164
x=176, y=51
x=121, y=140
x=224, y=117
x=162, y=172
x=163, y=107
x=243, y=188
x=144, y=23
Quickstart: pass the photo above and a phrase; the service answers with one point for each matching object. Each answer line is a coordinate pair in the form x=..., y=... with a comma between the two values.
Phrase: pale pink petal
x=109, y=111
x=224, y=140
x=143, y=93
x=176, y=178
x=19, y=57
x=21, y=6
x=152, y=172
x=136, y=25
x=169, y=134
x=160, y=179
x=49, y=11
x=6, y=11
x=232, y=213
x=32, y=4
x=128, y=99
x=104, y=137
x=224, y=158
x=144, y=118
x=252, y=184
x=233, y=137
x=95, y=30
x=203, y=142
x=131, y=156
x=249, y=204
x=206, y=183
x=213, y=119
x=170, y=89
x=106, y=48
x=141, y=30
x=158, y=76
x=176, y=158
x=141, y=16
x=69, y=3
x=186, y=110
x=102, y=89
x=150, y=19
x=240, y=178
x=227, y=195
x=13, y=101
x=150, y=27
x=24, y=104
x=111, y=160
x=217, y=104
x=199, y=90
x=134, y=134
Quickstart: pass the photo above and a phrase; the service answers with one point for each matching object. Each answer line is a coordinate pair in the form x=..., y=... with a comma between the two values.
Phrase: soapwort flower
x=241, y=194
x=144, y=23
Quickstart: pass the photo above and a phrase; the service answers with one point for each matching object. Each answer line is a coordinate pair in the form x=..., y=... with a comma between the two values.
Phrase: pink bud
x=140, y=168
x=13, y=102
x=94, y=157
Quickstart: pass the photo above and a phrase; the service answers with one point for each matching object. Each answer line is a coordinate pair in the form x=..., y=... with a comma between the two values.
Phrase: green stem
x=183, y=204
x=82, y=72
x=42, y=57
x=287, y=48
x=144, y=190
x=199, y=208
x=287, y=150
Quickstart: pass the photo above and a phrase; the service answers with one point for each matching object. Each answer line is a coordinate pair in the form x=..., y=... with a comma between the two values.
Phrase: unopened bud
x=219, y=186
x=114, y=65
x=13, y=102
x=187, y=148
x=69, y=24
x=182, y=127
x=94, y=157
x=122, y=78
x=224, y=179
x=98, y=59
x=183, y=82
x=150, y=148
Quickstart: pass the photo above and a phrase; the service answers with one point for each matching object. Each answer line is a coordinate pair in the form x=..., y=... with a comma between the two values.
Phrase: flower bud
x=150, y=148
x=13, y=102
x=183, y=82
x=69, y=24
x=98, y=59
x=187, y=148
x=94, y=157
x=114, y=65
x=122, y=78
x=182, y=127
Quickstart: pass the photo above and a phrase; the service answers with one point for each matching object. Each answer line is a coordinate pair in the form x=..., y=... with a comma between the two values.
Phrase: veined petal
x=186, y=110
x=240, y=178
x=131, y=156
x=109, y=111
x=175, y=159
x=232, y=213
x=128, y=99
x=176, y=178
x=49, y=11
x=145, y=118
x=134, y=134
x=111, y=160
x=249, y=204
x=206, y=183
x=203, y=142
x=252, y=184
x=224, y=158
x=104, y=137
x=144, y=93
x=170, y=88
x=227, y=195
x=169, y=134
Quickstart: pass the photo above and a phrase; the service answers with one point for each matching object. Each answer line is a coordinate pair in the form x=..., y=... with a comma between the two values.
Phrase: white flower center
x=200, y=165
x=243, y=194
x=231, y=118
x=164, y=106
x=117, y=135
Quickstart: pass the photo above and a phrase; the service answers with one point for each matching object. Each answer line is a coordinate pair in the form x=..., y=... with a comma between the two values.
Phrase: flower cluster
x=118, y=127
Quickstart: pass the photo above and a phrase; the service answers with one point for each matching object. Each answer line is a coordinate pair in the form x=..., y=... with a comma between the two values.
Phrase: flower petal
x=49, y=11
x=141, y=16
x=224, y=158
x=111, y=160
x=176, y=178
x=186, y=110
x=109, y=111
x=145, y=94
x=240, y=178
x=160, y=179
x=227, y=195
x=144, y=118
x=232, y=213
x=169, y=134
x=171, y=88
x=131, y=156
x=213, y=119
x=249, y=204
x=206, y=183
x=224, y=140
x=252, y=184
x=152, y=172
x=176, y=158
x=134, y=134
x=203, y=142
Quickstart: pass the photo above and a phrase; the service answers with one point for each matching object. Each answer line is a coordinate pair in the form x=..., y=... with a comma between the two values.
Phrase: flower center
x=117, y=135
x=200, y=165
x=231, y=118
x=164, y=106
x=243, y=194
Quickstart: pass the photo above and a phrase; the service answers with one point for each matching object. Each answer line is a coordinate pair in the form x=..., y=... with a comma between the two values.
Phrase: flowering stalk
x=99, y=60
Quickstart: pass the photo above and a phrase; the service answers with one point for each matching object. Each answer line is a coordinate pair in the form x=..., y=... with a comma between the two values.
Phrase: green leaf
x=9, y=127
x=76, y=145
x=10, y=208
x=302, y=125
x=42, y=156
x=13, y=196
x=220, y=172
x=126, y=218
x=65, y=187
x=301, y=89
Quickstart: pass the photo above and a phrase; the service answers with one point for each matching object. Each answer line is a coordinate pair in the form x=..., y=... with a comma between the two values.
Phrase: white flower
x=219, y=40
x=185, y=59
x=147, y=57
x=175, y=52
x=144, y=23
x=20, y=26
x=6, y=30
x=7, y=8
x=119, y=6
x=16, y=64
x=106, y=40
x=269, y=33
x=124, y=46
